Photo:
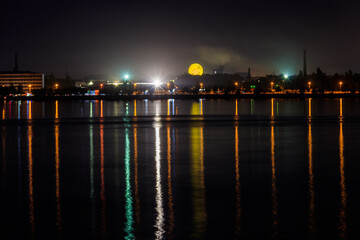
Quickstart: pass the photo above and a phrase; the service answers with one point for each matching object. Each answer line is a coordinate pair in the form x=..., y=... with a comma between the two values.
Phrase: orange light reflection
x=102, y=180
x=137, y=200
x=311, y=221
x=273, y=186
x=31, y=188
x=168, y=107
x=4, y=111
x=343, y=200
x=236, y=107
x=341, y=107
x=170, y=195
x=29, y=110
x=237, y=184
x=57, y=176
x=56, y=109
x=101, y=109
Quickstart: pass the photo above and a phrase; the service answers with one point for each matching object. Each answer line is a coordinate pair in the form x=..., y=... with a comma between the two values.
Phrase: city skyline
x=161, y=38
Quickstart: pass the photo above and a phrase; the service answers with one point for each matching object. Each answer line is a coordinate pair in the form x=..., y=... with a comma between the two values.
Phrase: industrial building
x=25, y=80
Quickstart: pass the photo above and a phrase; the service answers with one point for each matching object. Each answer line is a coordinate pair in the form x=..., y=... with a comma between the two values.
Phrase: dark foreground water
x=202, y=169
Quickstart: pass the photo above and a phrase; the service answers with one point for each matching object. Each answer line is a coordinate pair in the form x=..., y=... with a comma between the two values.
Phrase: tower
x=304, y=67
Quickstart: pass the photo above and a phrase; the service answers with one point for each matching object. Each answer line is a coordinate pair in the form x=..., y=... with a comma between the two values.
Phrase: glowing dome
x=196, y=69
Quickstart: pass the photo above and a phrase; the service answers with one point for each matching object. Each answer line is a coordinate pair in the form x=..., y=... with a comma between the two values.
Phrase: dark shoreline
x=192, y=96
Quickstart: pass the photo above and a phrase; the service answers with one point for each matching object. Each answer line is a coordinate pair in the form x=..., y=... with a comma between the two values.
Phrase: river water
x=180, y=169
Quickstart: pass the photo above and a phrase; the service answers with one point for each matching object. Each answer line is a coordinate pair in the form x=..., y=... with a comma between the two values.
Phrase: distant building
x=26, y=80
x=97, y=79
x=22, y=79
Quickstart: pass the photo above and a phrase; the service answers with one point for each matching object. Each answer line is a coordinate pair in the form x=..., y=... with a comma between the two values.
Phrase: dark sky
x=165, y=37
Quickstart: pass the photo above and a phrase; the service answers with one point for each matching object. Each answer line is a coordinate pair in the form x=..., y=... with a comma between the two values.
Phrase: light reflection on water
x=343, y=198
x=57, y=177
x=159, y=223
x=128, y=191
x=136, y=179
x=102, y=182
x=31, y=185
x=237, y=185
x=198, y=182
x=171, y=107
x=4, y=110
x=273, y=186
x=171, y=216
x=311, y=221
x=167, y=175
x=92, y=187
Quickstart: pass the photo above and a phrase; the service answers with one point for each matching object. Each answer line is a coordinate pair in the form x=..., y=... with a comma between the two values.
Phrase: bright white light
x=126, y=76
x=286, y=76
x=157, y=83
x=91, y=83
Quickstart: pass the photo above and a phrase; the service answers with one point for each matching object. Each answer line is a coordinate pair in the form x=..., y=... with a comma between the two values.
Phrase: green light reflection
x=128, y=198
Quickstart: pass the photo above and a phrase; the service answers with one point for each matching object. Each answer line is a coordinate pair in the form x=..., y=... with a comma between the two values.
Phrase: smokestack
x=16, y=63
x=304, y=68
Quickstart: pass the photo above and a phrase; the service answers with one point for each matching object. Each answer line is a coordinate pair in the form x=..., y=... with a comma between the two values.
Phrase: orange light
x=340, y=83
x=236, y=84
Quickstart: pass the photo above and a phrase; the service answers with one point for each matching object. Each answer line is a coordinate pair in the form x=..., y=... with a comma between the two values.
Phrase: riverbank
x=187, y=96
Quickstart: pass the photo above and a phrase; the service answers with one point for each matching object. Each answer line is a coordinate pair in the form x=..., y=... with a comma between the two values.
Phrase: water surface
x=180, y=169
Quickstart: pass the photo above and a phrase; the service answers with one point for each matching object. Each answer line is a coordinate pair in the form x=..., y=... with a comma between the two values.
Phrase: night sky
x=165, y=37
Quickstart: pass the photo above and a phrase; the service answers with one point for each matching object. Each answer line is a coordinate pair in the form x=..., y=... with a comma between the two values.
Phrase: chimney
x=304, y=69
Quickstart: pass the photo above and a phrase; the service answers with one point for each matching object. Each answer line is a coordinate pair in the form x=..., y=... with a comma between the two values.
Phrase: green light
x=127, y=109
x=128, y=198
x=91, y=110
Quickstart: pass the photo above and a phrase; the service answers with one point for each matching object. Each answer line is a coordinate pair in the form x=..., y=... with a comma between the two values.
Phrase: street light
x=272, y=84
x=56, y=86
x=29, y=88
x=340, y=85
x=309, y=85
x=201, y=85
x=157, y=83
x=101, y=85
